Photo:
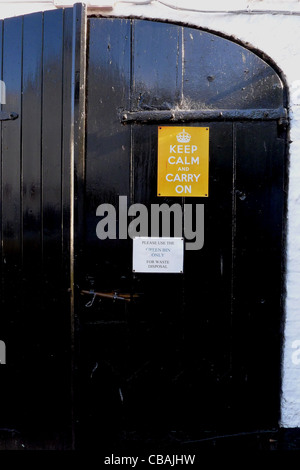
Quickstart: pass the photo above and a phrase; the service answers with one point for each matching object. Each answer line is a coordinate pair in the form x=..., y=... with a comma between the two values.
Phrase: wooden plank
x=1, y=182
x=220, y=74
x=108, y=168
x=12, y=217
x=56, y=322
x=11, y=132
x=4, y=374
x=157, y=65
x=66, y=142
x=11, y=165
x=1, y=78
x=108, y=141
x=51, y=138
x=76, y=37
x=31, y=145
x=258, y=278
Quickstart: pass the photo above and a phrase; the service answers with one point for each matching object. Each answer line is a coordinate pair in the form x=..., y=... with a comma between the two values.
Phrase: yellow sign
x=183, y=161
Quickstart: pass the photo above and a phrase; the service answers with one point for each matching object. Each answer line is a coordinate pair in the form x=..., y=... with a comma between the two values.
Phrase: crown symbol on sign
x=183, y=136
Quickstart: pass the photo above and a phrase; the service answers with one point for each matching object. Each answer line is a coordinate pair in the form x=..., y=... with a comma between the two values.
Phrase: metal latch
x=5, y=116
x=109, y=295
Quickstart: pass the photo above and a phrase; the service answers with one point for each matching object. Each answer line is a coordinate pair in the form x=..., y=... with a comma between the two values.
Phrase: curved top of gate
x=182, y=72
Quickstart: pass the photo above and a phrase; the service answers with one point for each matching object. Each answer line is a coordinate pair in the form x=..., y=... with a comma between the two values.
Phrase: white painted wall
x=271, y=26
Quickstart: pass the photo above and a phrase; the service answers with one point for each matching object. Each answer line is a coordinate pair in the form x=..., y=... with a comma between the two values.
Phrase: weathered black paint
x=205, y=114
x=189, y=355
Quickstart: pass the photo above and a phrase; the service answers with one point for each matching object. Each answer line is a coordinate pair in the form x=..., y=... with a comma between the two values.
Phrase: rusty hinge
x=156, y=115
x=109, y=295
x=4, y=116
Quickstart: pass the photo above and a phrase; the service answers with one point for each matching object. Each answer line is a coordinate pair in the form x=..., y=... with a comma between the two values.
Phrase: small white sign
x=157, y=255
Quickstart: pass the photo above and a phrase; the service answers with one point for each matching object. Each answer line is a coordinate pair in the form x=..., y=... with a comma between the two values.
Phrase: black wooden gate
x=199, y=351
x=40, y=66
x=129, y=357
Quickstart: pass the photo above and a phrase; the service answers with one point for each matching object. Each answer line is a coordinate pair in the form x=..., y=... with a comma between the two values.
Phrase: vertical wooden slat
x=11, y=135
x=76, y=181
x=157, y=65
x=12, y=212
x=108, y=141
x=222, y=74
x=107, y=167
x=31, y=212
x=31, y=141
x=66, y=138
x=55, y=276
x=157, y=73
x=66, y=324
x=259, y=232
x=52, y=210
x=52, y=136
x=3, y=329
x=1, y=183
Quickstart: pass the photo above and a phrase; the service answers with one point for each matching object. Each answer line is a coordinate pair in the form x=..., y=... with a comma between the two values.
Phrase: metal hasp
x=112, y=295
x=205, y=114
x=4, y=116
